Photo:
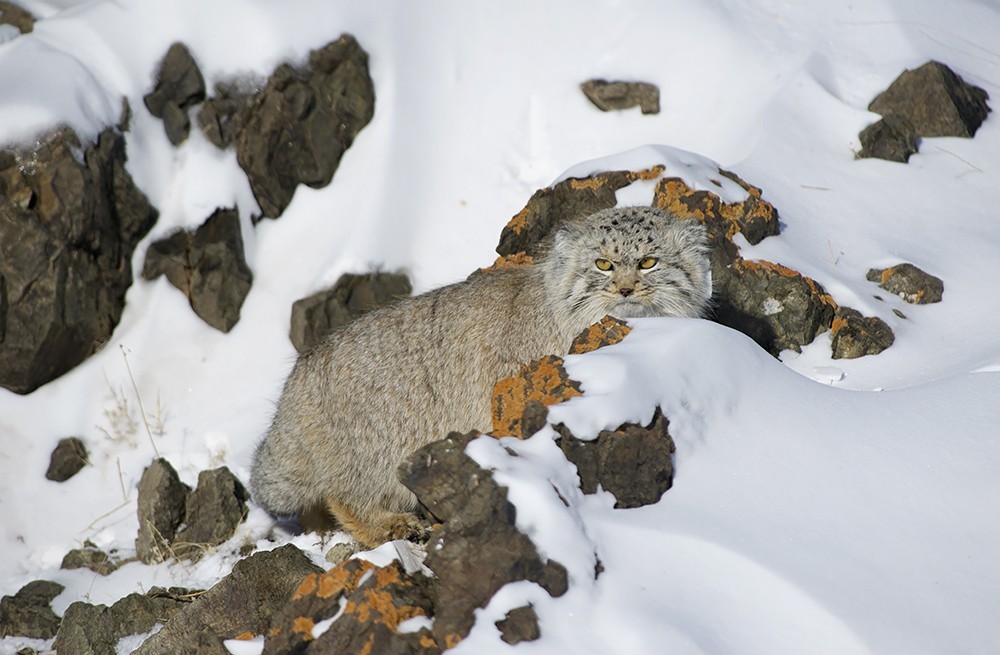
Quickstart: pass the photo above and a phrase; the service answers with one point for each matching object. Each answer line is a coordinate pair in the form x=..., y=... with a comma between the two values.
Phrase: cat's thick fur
x=400, y=377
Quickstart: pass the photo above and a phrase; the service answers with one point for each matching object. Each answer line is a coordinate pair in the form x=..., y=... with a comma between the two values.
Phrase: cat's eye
x=647, y=262
x=603, y=265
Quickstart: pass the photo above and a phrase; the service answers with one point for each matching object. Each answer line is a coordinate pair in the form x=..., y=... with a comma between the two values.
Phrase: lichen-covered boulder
x=544, y=381
x=908, y=282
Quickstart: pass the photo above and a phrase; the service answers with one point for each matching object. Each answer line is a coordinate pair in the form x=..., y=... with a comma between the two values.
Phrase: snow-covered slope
x=803, y=518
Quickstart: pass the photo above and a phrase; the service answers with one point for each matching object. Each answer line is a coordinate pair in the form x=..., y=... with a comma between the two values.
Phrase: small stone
x=855, y=335
x=179, y=82
x=69, y=456
x=176, y=123
x=213, y=511
x=340, y=552
x=160, y=510
x=909, y=283
x=89, y=557
x=618, y=95
x=520, y=624
x=935, y=100
x=11, y=14
x=891, y=138
x=28, y=613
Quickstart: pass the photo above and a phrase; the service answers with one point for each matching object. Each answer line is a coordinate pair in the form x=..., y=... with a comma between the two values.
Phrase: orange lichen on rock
x=378, y=604
x=763, y=266
x=544, y=380
x=606, y=332
x=338, y=580
x=304, y=625
x=515, y=260
x=754, y=217
x=245, y=636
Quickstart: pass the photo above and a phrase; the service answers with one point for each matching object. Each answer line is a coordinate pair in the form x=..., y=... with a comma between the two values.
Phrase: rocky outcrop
x=618, y=95
x=776, y=306
x=97, y=629
x=243, y=603
x=70, y=217
x=179, y=86
x=298, y=127
x=28, y=613
x=352, y=295
x=70, y=455
x=909, y=283
x=208, y=266
x=478, y=548
x=543, y=381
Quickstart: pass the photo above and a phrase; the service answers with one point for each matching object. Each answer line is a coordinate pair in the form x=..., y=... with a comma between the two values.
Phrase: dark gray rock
x=352, y=295
x=70, y=218
x=221, y=116
x=478, y=549
x=520, y=624
x=11, y=14
x=90, y=557
x=208, y=265
x=28, y=613
x=891, y=138
x=179, y=85
x=96, y=629
x=935, y=100
x=161, y=507
x=69, y=456
x=213, y=512
x=909, y=283
x=855, y=335
x=632, y=463
x=617, y=95
x=245, y=601
x=296, y=129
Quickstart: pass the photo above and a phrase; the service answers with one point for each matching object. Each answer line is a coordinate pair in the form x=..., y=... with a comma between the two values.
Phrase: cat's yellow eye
x=603, y=265
x=647, y=262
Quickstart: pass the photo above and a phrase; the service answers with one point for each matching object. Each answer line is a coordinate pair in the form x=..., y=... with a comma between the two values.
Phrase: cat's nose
x=625, y=291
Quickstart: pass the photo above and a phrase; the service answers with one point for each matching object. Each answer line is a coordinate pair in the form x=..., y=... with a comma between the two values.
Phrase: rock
x=208, y=265
x=935, y=100
x=161, y=505
x=606, y=332
x=69, y=456
x=855, y=335
x=520, y=624
x=544, y=380
x=11, y=14
x=632, y=463
x=375, y=601
x=478, y=549
x=28, y=613
x=221, y=116
x=213, y=512
x=891, y=138
x=909, y=283
x=90, y=557
x=777, y=307
x=179, y=85
x=340, y=552
x=96, y=629
x=243, y=603
x=610, y=96
x=352, y=295
x=296, y=129
x=70, y=218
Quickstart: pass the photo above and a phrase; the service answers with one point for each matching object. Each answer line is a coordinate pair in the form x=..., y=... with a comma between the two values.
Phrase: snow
x=844, y=506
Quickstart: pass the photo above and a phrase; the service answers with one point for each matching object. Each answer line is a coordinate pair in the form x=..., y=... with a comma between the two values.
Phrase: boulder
x=478, y=548
x=213, y=511
x=161, y=506
x=70, y=217
x=368, y=604
x=891, y=138
x=632, y=463
x=909, y=283
x=352, y=295
x=96, y=629
x=520, y=624
x=298, y=127
x=28, y=613
x=935, y=101
x=208, y=266
x=221, y=116
x=855, y=335
x=244, y=603
x=617, y=95
x=179, y=85
x=11, y=14
x=70, y=455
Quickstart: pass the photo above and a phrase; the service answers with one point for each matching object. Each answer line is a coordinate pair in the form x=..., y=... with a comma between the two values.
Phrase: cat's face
x=632, y=262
